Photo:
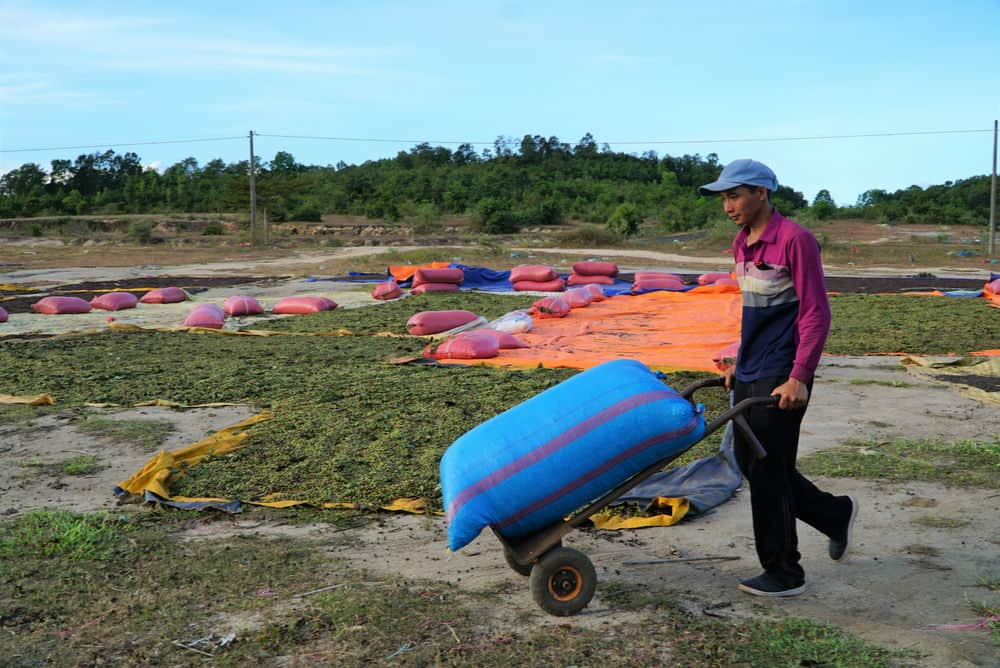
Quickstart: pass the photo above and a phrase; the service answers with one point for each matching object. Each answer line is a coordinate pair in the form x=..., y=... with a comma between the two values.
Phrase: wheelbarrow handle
x=739, y=418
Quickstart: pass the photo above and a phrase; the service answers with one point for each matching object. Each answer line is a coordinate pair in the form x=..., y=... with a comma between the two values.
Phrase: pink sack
x=303, y=305
x=726, y=281
x=596, y=293
x=242, y=305
x=643, y=275
x=993, y=287
x=712, y=276
x=164, y=296
x=505, y=340
x=3, y=315
x=584, y=279
x=438, y=275
x=550, y=307
x=434, y=322
x=467, y=345
x=114, y=301
x=578, y=297
x=434, y=287
x=555, y=285
x=61, y=305
x=387, y=290
x=210, y=316
x=657, y=284
x=591, y=268
x=726, y=357
x=538, y=273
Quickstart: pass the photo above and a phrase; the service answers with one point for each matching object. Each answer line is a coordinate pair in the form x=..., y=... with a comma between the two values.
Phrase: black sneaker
x=767, y=585
x=838, y=548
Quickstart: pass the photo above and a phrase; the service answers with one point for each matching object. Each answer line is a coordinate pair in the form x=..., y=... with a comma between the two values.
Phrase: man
x=786, y=319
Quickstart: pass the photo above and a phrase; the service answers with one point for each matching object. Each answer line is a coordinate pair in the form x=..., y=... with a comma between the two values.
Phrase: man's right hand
x=728, y=375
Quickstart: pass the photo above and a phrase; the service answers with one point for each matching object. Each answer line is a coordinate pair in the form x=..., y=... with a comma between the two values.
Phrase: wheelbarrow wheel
x=519, y=568
x=563, y=581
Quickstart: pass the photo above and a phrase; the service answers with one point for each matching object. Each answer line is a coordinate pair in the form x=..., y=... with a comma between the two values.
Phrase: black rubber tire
x=520, y=569
x=563, y=581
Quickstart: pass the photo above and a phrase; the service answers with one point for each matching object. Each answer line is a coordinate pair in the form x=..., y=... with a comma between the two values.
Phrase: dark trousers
x=779, y=494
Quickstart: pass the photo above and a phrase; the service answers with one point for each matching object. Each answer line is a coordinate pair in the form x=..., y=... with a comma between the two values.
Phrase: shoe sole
x=795, y=591
x=850, y=528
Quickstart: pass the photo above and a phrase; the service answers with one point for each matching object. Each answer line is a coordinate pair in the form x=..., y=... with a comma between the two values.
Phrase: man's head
x=745, y=187
x=742, y=172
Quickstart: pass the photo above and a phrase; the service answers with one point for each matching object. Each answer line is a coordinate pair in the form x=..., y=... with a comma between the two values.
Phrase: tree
x=823, y=205
x=625, y=220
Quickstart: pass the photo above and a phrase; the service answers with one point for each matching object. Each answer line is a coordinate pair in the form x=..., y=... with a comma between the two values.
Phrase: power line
x=119, y=144
x=505, y=140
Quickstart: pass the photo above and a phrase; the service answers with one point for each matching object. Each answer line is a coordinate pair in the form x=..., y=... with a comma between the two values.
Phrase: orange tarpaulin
x=403, y=272
x=667, y=331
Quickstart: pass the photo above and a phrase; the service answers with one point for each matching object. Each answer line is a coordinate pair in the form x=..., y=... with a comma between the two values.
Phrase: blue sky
x=105, y=74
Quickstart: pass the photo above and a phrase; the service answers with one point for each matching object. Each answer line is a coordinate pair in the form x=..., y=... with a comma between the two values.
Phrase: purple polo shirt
x=786, y=314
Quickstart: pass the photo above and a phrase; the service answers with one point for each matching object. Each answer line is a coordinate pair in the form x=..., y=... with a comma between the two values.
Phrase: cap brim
x=718, y=187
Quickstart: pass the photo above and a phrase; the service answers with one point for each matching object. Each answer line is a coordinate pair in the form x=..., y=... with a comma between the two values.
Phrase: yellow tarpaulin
x=32, y=400
x=672, y=510
x=958, y=372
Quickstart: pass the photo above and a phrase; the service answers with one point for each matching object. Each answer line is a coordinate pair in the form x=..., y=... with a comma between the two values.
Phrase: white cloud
x=136, y=43
x=24, y=90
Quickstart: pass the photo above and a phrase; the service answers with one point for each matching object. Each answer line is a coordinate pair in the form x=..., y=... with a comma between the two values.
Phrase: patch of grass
x=987, y=610
x=147, y=435
x=876, y=381
x=32, y=463
x=864, y=324
x=81, y=465
x=42, y=534
x=935, y=522
x=160, y=598
x=961, y=463
x=991, y=582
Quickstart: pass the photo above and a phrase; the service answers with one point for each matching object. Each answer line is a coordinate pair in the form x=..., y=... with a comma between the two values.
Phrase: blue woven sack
x=552, y=454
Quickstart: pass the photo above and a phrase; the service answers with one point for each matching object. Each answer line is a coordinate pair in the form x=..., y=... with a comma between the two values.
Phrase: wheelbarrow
x=563, y=580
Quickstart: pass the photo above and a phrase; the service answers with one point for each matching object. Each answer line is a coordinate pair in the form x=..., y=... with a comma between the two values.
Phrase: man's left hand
x=794, y=394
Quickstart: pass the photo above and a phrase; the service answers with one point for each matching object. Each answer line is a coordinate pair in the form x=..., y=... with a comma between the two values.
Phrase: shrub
x=140, y=231
x=212, y=229
x=624, y=220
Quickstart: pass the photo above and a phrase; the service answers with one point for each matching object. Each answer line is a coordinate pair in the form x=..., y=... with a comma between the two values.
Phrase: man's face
x=744, y=204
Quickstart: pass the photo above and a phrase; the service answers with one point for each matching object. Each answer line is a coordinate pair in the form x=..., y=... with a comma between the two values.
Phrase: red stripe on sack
x=594, y=473
x=557, y=443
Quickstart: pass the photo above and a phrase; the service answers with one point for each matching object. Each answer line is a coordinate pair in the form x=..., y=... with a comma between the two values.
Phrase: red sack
x=464, y=346
x=434, y=287
x=302, y=305
x=242, y=305
x=114, y=301
x=505, y=340
x=61, y=305
x=537, y=273
x=206, y=315
x=591, y=268
x=433, y=322
x=726, y=357
x=712, y=276
x=387, y=290
x=582, y=279
x=643, y=275
x=550, y=307
x=555, y=285
x=596, y=293
x=657, y=284
x=578, y=297
x=164, y=296
x=435, y=275
x=3, y=315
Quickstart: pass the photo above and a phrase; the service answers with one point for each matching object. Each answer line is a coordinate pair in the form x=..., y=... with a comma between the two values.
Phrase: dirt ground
x=902, y=579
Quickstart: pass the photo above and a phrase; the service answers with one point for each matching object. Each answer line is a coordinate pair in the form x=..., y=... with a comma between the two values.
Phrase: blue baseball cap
x=742, y=172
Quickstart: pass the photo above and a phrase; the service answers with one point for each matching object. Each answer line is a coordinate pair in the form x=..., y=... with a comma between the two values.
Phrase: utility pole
x=993, y=196
x=253, y=196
